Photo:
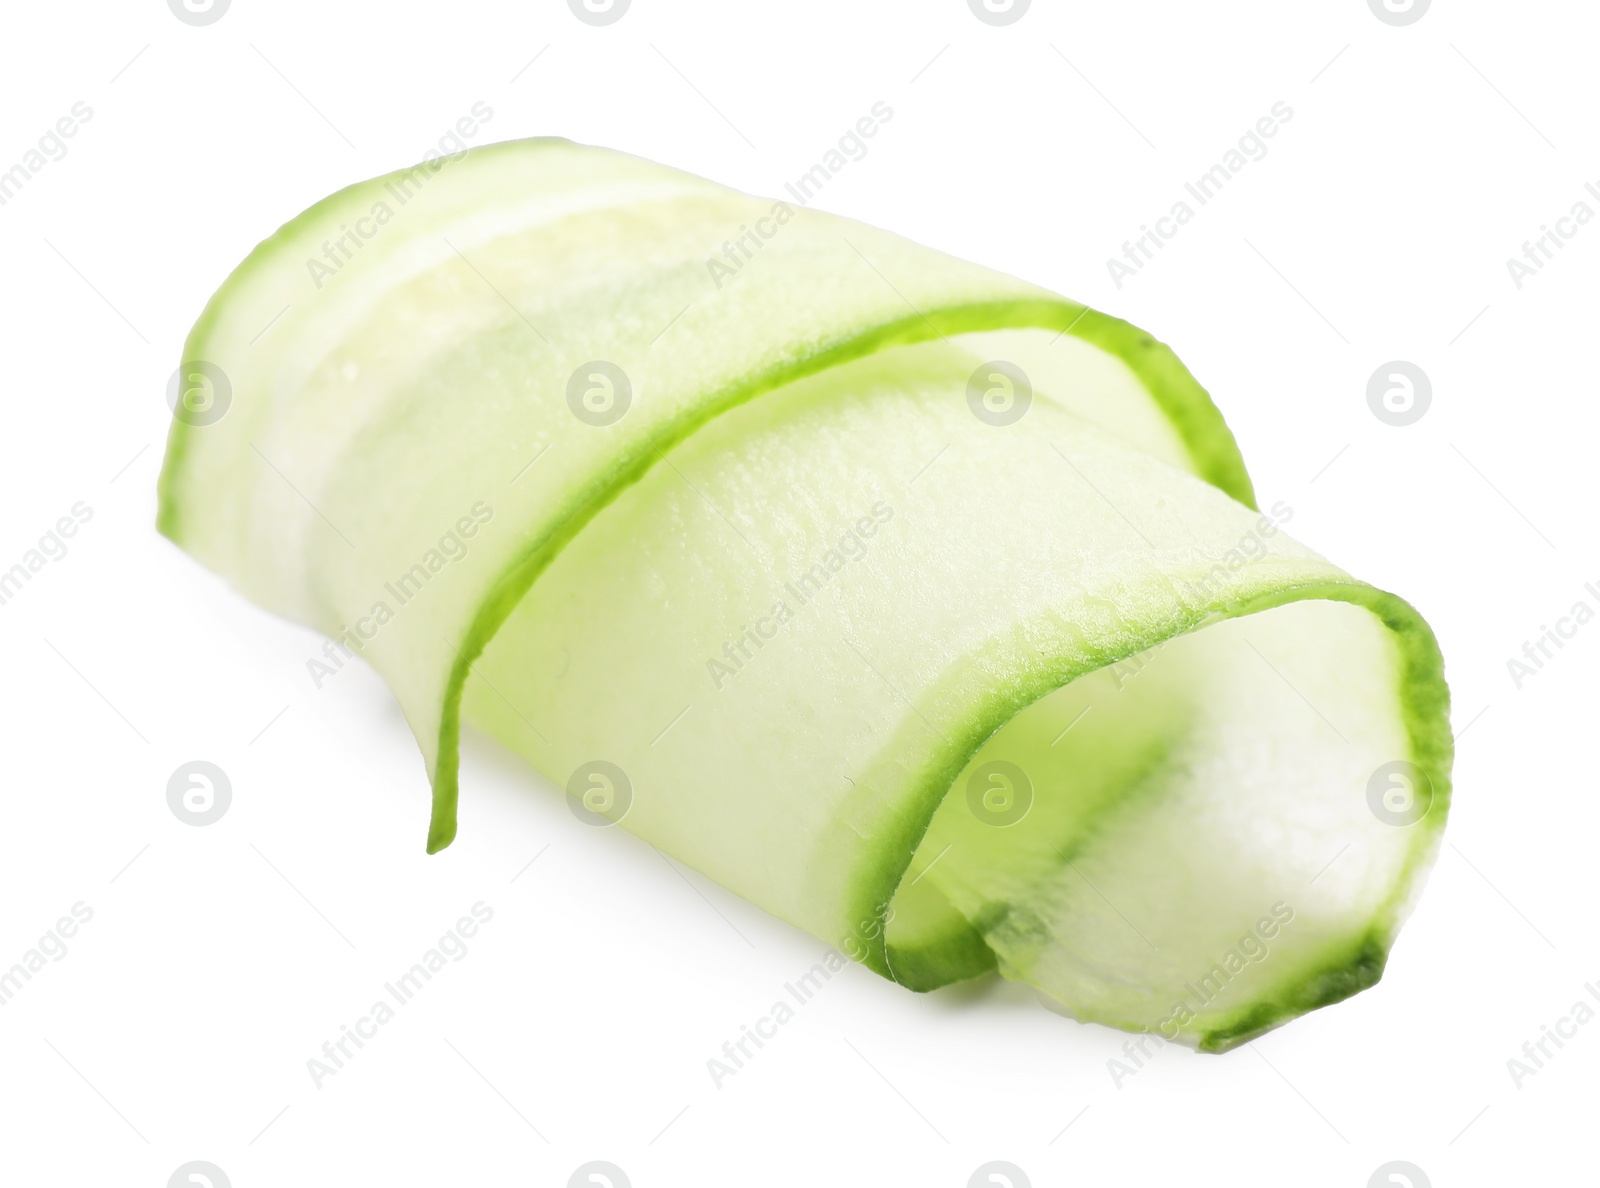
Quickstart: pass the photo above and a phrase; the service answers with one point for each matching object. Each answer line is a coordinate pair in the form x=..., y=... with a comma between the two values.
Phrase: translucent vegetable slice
x=757, y=557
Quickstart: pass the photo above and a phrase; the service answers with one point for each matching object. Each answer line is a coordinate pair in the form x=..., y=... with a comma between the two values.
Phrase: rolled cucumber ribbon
x=924, y=608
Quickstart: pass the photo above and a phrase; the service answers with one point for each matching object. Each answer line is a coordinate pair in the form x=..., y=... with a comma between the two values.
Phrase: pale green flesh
x=428, y=378
x=1180, y=799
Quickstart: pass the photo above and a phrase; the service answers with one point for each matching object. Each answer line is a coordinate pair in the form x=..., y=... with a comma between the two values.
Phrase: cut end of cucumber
x=1187, y=842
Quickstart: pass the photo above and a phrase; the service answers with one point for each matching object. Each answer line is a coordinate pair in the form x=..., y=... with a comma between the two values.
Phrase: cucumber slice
x=842, y=594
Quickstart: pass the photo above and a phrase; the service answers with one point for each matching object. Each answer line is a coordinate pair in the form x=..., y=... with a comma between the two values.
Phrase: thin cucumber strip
x=408, y=457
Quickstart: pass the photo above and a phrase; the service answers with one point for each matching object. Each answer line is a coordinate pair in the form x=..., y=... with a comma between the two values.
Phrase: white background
x=219, y=959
